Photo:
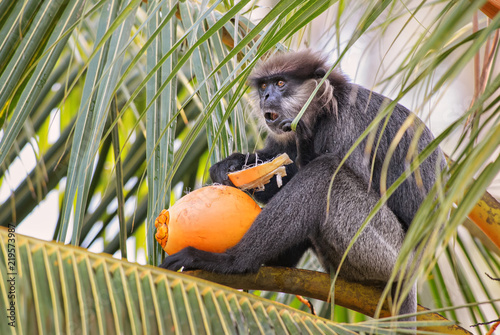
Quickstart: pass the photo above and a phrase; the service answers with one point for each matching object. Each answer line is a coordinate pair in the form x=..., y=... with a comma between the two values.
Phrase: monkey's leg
x=409, y=305
x=273, y=233
x=291, y=256
x=374, y=253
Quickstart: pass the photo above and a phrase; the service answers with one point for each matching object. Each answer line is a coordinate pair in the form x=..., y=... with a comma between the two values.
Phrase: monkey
x=287, y=220
x=339, y=114
x=302, y=214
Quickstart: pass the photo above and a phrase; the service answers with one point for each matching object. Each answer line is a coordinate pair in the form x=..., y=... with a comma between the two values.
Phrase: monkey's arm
x=305, y=144
x=279, y=235
x=271, y=240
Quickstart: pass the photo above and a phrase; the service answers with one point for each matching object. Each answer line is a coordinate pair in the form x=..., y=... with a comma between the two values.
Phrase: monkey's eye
x=263, y=86
x=280, y=83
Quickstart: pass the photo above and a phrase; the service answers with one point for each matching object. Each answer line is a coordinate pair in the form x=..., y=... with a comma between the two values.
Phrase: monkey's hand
x=286, y=125
x=302, y=130
x=194, y=259
x=220, y=170
x=184, y=259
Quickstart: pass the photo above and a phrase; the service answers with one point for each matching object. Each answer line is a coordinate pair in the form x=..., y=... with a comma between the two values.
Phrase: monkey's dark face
x=283, y=84
x=271, y=93
x=280, y=99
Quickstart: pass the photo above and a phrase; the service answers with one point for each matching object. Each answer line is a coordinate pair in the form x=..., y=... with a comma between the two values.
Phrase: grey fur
x=332, y=124
x=295, y=217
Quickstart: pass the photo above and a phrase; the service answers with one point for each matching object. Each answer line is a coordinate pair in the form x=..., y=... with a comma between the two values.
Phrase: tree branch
x=312, y=284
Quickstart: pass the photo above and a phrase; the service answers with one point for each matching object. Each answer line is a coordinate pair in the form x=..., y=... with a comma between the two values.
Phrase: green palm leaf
x=64, y=289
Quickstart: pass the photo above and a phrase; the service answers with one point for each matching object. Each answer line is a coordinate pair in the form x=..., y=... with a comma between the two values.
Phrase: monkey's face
x=280, y=100
x=282, y=86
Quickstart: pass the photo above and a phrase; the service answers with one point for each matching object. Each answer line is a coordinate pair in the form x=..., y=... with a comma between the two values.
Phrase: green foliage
x=148, y=94
x=71, y=290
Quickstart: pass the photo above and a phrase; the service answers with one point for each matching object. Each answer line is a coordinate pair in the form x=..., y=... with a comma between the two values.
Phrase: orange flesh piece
x=161, y=224
x=258, y=176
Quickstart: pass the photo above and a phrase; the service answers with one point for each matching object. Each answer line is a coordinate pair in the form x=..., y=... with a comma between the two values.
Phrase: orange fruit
x=259, y=175
x=212, y=218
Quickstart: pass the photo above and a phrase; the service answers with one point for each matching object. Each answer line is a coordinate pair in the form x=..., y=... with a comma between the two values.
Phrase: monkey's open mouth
x=270, y=116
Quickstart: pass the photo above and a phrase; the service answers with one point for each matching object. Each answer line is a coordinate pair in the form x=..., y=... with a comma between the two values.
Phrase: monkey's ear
x=319, y=73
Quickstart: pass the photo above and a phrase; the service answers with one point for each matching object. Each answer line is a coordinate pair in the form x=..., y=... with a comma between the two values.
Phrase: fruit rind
x=257, y=176
x=212, y=218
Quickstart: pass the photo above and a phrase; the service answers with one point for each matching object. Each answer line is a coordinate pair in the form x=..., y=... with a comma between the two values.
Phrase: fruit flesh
x=257, y=176
x=161, y=224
